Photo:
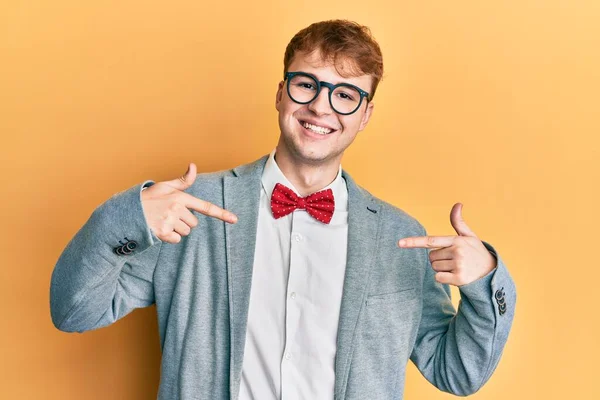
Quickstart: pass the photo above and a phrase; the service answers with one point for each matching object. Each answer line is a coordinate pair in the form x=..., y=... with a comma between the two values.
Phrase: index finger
x=208, y=208
x=427, y=241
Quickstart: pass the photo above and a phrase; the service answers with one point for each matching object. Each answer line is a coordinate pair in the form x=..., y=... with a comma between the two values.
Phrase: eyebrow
x=321, y=80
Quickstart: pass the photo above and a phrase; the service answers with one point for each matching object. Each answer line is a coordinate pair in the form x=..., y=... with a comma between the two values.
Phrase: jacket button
x=502, y=308
x=499, y=294
x=126, y=248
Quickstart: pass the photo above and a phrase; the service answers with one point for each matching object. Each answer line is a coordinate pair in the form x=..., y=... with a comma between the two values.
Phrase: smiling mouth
x=320, y=130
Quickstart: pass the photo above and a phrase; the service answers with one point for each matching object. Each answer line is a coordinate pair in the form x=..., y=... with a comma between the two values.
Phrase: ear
x=279, y=95
x=365, y=118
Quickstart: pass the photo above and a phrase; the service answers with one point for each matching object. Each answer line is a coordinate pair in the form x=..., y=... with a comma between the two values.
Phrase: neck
x=306, y=178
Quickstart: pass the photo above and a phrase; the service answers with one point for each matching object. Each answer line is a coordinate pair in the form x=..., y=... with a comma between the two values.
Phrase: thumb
x=185, y=181
x=458, y=223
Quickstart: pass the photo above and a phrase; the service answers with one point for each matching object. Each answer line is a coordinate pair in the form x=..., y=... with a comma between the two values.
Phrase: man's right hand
x=166, y=206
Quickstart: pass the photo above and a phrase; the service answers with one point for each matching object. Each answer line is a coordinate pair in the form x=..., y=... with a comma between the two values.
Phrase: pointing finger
x=427, y=241
x=208, y=209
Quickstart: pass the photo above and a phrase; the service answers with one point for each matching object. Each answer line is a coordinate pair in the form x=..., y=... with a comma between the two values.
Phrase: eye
x=306, y=85
x=344, y=95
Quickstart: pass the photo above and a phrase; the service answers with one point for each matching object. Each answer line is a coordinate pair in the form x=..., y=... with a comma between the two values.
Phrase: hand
x=461, y=259
x=166, y=208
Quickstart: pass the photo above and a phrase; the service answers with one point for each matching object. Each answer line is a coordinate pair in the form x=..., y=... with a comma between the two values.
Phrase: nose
x=320, y=105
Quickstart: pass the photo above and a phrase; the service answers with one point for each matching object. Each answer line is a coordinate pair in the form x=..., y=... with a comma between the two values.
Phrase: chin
x=313, y=154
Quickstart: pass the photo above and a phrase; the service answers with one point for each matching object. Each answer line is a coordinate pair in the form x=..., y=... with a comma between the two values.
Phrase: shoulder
x=394, y=217
x=210, y=184
x=213, y=177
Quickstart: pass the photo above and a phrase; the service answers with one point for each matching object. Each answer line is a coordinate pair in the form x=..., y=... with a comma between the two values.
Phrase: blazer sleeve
x=91, y=285
x=457, y=351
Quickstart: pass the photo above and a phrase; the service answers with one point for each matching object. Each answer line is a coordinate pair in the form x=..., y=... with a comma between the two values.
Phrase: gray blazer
x=392, y=308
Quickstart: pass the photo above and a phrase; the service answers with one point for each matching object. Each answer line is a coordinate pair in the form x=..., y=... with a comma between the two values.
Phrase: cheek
x=350, y=123
x=288, y=112
x=287, y=107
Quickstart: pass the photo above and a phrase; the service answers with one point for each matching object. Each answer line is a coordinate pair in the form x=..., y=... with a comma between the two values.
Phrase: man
x=290, y=281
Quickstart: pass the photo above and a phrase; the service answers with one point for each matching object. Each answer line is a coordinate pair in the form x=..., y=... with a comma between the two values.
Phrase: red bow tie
x=319, y=205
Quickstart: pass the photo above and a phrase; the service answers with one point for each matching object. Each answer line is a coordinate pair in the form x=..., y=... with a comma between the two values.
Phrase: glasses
x=344, y=98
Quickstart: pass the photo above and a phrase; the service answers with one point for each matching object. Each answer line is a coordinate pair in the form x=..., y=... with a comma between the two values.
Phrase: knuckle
x=163, y=217
x=164, y=231
x=210, y=209
x=204, y=207
x=174, y=207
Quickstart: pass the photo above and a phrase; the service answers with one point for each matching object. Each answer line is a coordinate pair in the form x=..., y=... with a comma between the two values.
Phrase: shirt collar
x=273, y=175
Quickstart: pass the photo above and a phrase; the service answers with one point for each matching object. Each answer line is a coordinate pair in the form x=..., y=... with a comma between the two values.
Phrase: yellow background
x=491, y=103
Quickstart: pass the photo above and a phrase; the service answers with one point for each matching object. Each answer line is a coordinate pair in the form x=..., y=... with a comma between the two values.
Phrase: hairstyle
x=344, y=44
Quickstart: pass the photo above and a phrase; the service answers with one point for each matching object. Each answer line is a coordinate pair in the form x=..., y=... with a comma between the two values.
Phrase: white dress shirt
x=295, y=298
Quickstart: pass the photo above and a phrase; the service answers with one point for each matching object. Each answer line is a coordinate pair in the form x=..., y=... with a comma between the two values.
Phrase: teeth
x=317, y=129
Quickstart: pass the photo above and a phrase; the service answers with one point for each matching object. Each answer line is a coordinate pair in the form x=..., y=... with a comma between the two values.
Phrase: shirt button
x=293, y=295
x=288, y=356
x=298, y=237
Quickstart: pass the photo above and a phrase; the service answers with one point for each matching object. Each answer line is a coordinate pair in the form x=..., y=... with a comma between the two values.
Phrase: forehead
x=325, y=70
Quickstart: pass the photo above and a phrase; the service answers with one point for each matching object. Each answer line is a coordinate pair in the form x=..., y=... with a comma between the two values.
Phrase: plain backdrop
x=491, y=103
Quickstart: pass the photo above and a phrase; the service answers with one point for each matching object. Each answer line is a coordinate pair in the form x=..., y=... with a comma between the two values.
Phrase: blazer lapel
x=241, y=194
x=363, y=224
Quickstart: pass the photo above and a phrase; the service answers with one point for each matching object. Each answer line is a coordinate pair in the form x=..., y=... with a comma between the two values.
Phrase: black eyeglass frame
x=320, y=84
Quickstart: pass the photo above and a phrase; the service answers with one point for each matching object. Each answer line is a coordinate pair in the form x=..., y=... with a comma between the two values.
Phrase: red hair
x=342, y=43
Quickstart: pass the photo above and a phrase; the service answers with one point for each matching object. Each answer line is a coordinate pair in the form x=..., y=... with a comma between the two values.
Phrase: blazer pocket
x=395, y=297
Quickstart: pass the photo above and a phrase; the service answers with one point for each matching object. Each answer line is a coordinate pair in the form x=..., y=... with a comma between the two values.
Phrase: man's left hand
x=460, y=259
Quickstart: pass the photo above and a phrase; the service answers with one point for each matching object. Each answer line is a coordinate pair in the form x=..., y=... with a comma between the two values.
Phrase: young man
x=289, y=281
